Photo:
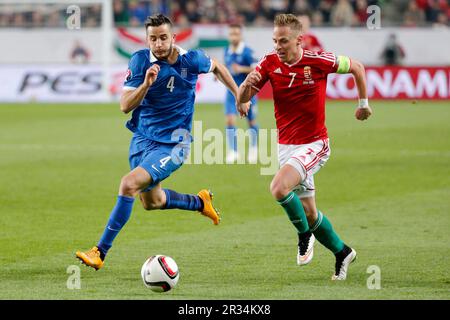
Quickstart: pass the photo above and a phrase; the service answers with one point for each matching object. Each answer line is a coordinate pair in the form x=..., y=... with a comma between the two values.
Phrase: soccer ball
x=160, y=273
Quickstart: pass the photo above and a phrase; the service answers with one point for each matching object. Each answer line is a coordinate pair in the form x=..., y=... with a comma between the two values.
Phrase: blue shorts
x=230, y=106
x=158, y=159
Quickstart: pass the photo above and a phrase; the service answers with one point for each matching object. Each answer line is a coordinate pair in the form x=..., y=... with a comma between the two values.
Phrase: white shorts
x=307, y=159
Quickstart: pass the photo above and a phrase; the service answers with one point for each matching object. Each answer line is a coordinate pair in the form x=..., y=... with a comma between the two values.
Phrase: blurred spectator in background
x=393, y=53
x=233, y=14
x=317, y=19
x=222, y=17
x=121, y=17
x=37, y=19
x=431, y=8
x=18, y=20
x=261, y=21
x=265, y=10
x=278, y=6
x=258, y=13
x=414, y=16
x=342, y=14
x=309, y=40
x=183, y=22
x=192, y=13
x=301, y=7
x=4, y=21
x=361, y=12
x=325, y=7
x=441, y=21
x=158, y=6
x=270, y=8
x=54, y=20
x=247, y=9
x=210, y=9
x=138, y=13
x=79, y=54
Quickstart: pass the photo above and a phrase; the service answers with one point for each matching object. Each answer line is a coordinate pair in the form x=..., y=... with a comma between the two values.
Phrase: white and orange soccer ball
x=160, y=273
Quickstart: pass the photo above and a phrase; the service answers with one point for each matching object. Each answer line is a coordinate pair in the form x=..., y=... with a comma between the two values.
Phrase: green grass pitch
x=386, y=189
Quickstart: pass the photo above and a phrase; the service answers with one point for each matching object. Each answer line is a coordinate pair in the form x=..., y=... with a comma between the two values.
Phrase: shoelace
x=93, y=253
x=303, y=245
x=338, y=266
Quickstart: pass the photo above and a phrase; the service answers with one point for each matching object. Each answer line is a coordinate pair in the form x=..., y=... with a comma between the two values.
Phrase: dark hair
x=157, y=20
x=235, y=25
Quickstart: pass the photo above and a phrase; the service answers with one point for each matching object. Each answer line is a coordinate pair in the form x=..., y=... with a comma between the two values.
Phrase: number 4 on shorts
x=163, y=161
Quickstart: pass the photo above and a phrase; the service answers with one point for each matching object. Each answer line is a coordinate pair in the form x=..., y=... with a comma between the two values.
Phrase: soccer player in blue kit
x=240, y=61
x=160, y=90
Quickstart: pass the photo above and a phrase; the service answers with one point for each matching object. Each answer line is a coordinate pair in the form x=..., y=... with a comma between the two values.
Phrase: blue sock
x=175, y=200
x=119, y=216
x=231, y=138
x=254, y=135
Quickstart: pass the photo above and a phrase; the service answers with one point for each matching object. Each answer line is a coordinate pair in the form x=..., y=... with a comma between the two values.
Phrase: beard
x=165, y=56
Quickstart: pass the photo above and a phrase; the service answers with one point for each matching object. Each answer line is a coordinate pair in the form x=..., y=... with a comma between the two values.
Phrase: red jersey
x=311, y=42
x=299, y=94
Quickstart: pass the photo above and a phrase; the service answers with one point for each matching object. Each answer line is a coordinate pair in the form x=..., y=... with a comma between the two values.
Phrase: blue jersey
x=242, y=56
x=165, y=114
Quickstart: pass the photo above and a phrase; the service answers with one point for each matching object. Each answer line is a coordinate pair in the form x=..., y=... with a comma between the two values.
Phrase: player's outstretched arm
x=247, y=89
x=131, y=99
x=363, y=111
x=224, y=76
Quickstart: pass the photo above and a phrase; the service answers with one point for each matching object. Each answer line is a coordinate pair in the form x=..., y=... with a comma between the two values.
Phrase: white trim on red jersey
x=300, y=59
x=328, y=56
x=264, y=58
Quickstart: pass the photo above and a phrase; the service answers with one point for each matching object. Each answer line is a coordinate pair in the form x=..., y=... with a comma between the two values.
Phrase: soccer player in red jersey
x=299, y=79
x=309, y=40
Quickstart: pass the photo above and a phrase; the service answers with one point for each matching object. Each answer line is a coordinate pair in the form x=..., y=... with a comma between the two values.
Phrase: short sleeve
x=263, y=68
x=136, y=71
x=202, y=61
x=327, y=62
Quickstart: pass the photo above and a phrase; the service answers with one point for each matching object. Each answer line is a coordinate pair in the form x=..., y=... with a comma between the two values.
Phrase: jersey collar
x=239, y=49
x=180, y=50
x=301, y=56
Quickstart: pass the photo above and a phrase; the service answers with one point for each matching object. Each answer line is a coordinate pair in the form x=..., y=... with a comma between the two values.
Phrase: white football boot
x=305, y=250
x=342, y=265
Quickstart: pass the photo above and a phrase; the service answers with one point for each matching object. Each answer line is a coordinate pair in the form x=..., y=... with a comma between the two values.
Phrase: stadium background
x=63, y=149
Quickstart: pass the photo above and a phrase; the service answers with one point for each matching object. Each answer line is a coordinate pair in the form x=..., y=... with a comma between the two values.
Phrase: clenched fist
x=363, y=113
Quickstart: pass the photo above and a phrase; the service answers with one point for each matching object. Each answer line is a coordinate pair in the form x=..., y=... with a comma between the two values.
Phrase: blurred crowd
x=351, y=13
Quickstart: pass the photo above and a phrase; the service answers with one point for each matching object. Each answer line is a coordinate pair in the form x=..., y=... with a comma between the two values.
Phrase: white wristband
x=363, y=103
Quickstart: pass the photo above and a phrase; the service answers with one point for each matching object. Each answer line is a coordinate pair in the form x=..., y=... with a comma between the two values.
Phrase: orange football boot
x=208, y=209
x=91, y=258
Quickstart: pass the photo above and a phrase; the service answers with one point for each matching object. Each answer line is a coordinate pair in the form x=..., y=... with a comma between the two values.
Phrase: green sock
x=324, y=233
x=294, y=209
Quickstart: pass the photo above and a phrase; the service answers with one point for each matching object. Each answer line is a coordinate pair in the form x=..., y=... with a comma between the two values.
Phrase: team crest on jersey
x=308, y=75
x=128, y=75
x=183, y=72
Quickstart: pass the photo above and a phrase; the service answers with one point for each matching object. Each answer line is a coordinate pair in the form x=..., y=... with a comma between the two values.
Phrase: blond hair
x=288, y=20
